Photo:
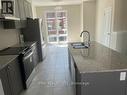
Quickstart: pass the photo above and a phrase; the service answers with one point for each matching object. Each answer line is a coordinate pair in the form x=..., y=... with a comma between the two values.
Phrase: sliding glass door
x=57, y=26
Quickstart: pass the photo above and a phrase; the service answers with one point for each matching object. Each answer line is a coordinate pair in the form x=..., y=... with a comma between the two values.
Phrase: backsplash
x=8, y=37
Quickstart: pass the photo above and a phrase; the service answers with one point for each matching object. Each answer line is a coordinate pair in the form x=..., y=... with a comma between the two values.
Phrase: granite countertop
x=5, y=60
x=25, y=44
x=98, y=58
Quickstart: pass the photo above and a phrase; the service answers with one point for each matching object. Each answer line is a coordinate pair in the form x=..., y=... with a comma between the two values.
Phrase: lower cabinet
x=5, y=81
x=72, y=67
x=97, y=83
x=11, y=78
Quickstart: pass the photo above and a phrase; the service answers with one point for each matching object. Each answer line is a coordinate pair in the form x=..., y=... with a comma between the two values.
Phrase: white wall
x=74, y=19
x=119, y=24
x=8, y=37
x=89, y=17
x=101, y=5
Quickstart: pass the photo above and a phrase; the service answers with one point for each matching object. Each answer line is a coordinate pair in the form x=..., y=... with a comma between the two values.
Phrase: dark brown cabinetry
x=5, y=81
x=11, y=78
x=23, y=10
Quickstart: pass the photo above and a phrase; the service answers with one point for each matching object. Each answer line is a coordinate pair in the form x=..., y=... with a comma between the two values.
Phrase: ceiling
x=56, y=2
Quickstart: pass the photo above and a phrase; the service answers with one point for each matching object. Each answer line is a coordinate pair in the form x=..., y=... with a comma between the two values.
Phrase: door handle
x=26, y=57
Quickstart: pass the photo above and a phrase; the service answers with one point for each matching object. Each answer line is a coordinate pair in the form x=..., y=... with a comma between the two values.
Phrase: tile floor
x=53, y=77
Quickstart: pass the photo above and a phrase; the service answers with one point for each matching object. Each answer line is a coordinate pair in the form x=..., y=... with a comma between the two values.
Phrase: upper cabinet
x=22, y=10
x=28, y=9
x=25, y=9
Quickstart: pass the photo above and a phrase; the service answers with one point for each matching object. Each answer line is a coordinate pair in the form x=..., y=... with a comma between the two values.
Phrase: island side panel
x=104, y=83
x=78, y=82
x=75, y=74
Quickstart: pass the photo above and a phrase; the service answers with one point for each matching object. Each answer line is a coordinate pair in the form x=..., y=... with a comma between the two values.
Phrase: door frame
x=107, y=10
x=57, y=34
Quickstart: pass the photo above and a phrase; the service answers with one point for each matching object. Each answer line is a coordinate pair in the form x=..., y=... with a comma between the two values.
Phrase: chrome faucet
x=86, y=38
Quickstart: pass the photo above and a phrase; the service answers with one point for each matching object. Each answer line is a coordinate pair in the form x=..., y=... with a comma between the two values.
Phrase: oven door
x=28, y=64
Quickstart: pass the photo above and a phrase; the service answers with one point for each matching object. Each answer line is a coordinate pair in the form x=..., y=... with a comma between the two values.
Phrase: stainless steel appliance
x=26, y=58
x=26, y=62
x=34, y=32
x=1, y=88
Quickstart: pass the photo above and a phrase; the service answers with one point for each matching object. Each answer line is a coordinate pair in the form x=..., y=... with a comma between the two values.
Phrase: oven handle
x=26, y=57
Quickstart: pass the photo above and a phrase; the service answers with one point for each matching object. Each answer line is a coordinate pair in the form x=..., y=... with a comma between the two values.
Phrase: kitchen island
x=98, y=70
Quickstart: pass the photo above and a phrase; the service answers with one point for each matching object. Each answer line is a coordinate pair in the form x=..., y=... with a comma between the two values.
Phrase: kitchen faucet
x=86, y=37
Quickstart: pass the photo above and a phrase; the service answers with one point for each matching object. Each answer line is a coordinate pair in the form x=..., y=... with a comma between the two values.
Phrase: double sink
x=85, y=43
x=79, y=45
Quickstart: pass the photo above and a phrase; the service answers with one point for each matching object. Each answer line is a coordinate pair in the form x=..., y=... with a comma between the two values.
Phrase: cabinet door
x=107, y=83
x=22, y=13
x=14, y=75
x=72, y=69
x=5, y=81
x=28, y=8
x=16, y=9
x=21, y=9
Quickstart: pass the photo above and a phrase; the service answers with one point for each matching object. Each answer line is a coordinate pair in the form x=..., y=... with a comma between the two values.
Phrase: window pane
x=52, y=32
x=62, y=38
x=61, y=14
x=51, y=24
x=52, y=39
x=62, y=32
x=51, y=15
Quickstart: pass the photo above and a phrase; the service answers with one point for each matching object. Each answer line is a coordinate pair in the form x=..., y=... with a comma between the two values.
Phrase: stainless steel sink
x=79, y=45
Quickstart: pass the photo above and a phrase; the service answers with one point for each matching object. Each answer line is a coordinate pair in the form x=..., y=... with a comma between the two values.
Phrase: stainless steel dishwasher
x=28, y=65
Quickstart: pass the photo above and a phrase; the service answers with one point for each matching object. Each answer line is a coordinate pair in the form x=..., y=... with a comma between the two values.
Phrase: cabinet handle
x=9, y=67
x=86, y=83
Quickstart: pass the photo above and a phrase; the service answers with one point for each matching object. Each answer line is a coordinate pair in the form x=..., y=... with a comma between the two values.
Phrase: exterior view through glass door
x=57, y=26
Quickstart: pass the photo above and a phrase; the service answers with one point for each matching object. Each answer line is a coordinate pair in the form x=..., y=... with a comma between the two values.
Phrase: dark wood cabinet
x=15, y=79
x=23, y=10
x=11, y=78
x=5, y=81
